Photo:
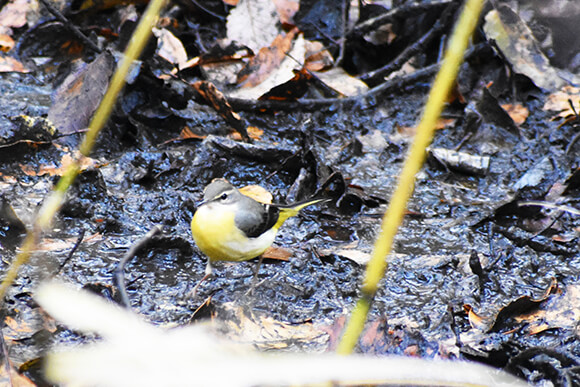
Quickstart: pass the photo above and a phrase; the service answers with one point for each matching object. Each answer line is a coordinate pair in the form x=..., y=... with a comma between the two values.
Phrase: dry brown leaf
x=58, y=170
x=78, y=96
x=17, y=329
x=279, y=74
x=13, y=15
x=560, y=101
x=51, y=244
x=267, y=61
x=6, y=43
x=406, y=131
x=317, y=57
x=253, y=23
x=187, y=133
x=277, y=253
x=517, y=43
x=9, y=65
x=518, y=112
x=443, y=123
x=170, y=48
x=345, y=84
x=286, y=10
x=529, y=310
x=267, y=333
x=476, y=321
x=254, y=133
x=559, y=311
x=257, y=193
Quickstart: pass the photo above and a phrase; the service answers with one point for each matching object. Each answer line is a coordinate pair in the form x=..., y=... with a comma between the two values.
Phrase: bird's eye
x=224, y=196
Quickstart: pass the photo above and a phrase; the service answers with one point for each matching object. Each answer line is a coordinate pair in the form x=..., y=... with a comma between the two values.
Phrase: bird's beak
x=200, y=203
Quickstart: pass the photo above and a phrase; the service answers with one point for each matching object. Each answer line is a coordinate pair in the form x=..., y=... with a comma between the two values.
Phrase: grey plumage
x=252, y=217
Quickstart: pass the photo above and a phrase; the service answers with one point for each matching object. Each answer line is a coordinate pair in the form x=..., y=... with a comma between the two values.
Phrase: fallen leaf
x=476, y=321
x=253, y=132
x=523, y=309
x=460, y=161
x=339, y=80
x=357, y=256
x=13, y=378
x=278, y=75
x=266, y=61
x=560, y=101
x=170, y=48
x=257, y=193
x=6, y=42
x=58, y=170
x=265, y=332
x=517, y=43
x=13, y=14
x=443, y=123
x=187, y=133
x=219, y=102
x=518, y=112
x=559, y=311
x=17, y=329
x=11, y=65
x=253, y=23
x=317, y=57
x=53, y=244
x=286, y=10
x=291, y=90
x=77, y=98
x=406, y=131
x=277, y=253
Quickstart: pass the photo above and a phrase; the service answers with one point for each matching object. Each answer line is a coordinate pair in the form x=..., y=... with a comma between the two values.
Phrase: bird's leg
x=208, y=271
x=255, y=278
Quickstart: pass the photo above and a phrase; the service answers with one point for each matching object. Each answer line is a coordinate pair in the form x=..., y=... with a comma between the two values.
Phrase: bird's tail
x=290, y=210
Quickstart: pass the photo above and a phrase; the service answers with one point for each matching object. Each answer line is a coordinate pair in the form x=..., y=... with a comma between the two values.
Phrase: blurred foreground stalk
x=52, y=203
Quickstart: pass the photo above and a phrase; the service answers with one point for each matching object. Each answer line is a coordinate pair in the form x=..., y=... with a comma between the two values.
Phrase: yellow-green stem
x=394, y=215
x=53, y=202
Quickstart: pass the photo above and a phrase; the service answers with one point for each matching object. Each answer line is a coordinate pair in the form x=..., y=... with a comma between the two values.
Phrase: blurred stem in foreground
x=393, y=217
x=53, y=202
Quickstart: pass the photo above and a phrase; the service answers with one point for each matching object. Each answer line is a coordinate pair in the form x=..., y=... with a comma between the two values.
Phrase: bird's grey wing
x=256, y=218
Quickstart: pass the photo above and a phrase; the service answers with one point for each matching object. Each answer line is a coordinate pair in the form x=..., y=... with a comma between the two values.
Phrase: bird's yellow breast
x=215, y=233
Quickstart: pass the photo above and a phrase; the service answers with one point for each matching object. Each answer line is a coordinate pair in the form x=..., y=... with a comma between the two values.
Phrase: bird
x=230, y=226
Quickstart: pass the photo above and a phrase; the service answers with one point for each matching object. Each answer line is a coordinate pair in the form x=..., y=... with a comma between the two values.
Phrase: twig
x=315, y=104
x=375, y=75
x=344, y=16
x=397, y=13
x=72, y=251
x=74, y=29
x=239, y=104
x=554, y=206
x=209, y=12
x=118, y=277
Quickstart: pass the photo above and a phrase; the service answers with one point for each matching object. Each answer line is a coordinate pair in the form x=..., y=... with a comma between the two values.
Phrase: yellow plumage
x=215, y=233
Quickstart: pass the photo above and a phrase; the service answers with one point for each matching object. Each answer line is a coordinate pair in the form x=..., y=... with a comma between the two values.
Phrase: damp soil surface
x=476, y=271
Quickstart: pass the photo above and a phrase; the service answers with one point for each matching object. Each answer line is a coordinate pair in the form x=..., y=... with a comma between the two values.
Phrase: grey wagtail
x=230, y=226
